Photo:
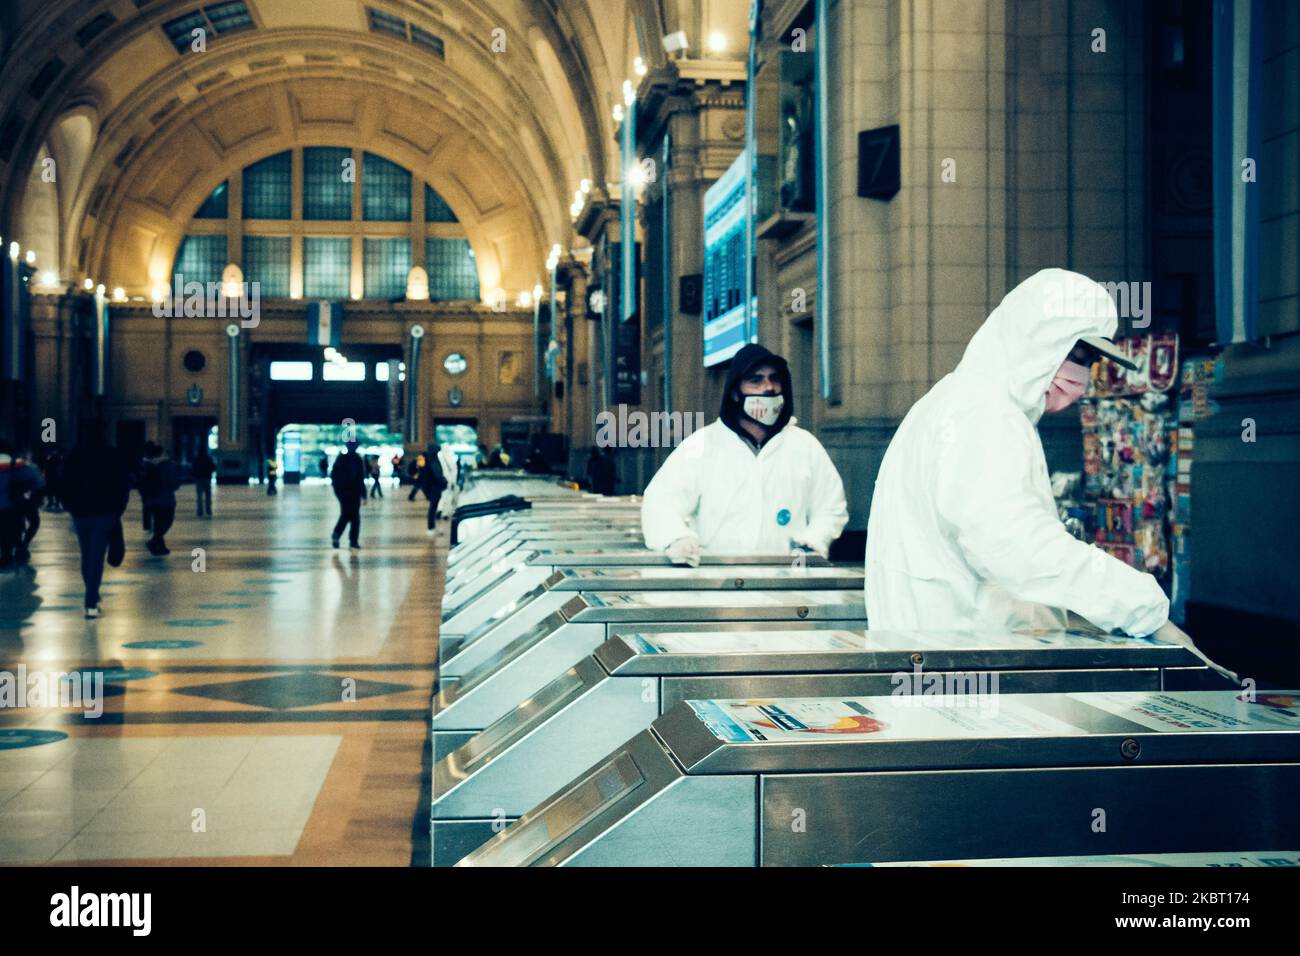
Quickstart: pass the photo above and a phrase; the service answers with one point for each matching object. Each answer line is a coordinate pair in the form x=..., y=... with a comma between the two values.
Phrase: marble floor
x=254, y=697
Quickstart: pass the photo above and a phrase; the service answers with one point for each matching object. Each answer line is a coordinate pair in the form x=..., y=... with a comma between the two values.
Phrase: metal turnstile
x=586, y=712
x=473, y=635
x=572, y=529
x=514, y=574
x=521, y=668
x=882, y=779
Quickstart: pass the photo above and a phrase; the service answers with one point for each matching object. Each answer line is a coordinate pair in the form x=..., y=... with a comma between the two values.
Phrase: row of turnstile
x=598, y=706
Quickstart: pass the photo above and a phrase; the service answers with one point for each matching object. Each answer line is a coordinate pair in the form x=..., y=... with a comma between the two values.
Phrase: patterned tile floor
x=265, y=699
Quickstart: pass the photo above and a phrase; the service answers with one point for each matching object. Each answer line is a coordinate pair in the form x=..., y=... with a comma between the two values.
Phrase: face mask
x=764, y=409
x=1068, y=385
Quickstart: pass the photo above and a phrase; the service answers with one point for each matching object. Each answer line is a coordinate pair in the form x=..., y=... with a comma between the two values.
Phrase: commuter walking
x=375, y=490
x=158, y=483
x=32, y=489
x=272, y=471
x=432, y=482
x=15, y=480
x=204, y=469
x=449, y=464
x=94, y=485
x=417, y=480
x=349, y=480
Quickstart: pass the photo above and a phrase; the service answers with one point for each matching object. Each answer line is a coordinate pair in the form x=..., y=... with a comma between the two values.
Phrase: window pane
x=386, y=191
x=340, y=372
x=216, y=206
x=268, y=192
x=291, y=371
x=387, y=264
x=436, y=208
x=326, y=268
x=266, y=261
x=201, y=259
x=325, y=194
x=452, y=272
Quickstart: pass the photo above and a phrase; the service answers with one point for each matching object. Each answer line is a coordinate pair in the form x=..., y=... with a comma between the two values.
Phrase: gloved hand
x=1173, y=634
x=685, y=550
x=800, y=541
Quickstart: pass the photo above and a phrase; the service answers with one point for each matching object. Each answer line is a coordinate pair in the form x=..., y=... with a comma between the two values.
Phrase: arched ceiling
x=141, y=133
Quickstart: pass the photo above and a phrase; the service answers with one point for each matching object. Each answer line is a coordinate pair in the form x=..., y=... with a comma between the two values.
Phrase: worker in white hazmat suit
x=963, y=531
x=751, y=483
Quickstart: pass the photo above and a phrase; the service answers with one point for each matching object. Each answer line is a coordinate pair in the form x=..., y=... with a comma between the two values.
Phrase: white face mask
x=764, y=409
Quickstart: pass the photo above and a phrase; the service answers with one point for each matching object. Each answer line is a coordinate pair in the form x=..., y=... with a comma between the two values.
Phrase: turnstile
x=631, y=679
x=471, y=636
x=518, y=570
x=524, y=666
x=470, y=573
x=575, y=529
x=882, y=779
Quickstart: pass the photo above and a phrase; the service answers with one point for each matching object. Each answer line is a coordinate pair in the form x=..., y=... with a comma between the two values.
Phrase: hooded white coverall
x=964, y=531
x=737, y=502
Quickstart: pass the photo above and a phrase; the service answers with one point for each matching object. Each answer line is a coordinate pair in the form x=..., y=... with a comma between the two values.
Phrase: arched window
x=306, y=231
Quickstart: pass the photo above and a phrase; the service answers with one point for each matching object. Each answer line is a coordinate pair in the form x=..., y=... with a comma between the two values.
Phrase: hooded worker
x=964, y=531
x=751, y=483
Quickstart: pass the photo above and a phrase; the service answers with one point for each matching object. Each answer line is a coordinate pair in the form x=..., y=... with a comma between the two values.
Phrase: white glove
x=685, y=550
x=799, y=541
x=1173, y=634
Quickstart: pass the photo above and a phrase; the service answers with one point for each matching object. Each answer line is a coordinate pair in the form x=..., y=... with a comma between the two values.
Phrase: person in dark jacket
x=349, y=480
x=204, y=468
x=32, y=486
x=94, y=485
x=158, y=483
x=16, y=479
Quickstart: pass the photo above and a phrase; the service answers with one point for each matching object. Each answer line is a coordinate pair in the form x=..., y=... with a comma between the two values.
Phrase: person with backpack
x=349, y=481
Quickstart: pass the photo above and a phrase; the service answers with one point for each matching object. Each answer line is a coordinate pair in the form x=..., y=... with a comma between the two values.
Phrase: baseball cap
x=1108, y=349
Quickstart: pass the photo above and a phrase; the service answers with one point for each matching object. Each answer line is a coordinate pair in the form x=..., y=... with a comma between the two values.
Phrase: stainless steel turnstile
x=882, y=779
x=631, y=679
x=528, y=663
x=575, y=530
x=472, y=635
x=517, y=570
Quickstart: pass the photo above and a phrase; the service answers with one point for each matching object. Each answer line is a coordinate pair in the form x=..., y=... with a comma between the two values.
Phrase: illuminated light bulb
x=717, y=41
x=14, y=250
x=639, y=65
x=50, y=278
x=31, y=257
x=159, y=293
x=89, y=284
x=629, y=92
x=525, y=300
x=637, y=176
x=119, y=294
x=618, y=112
x=585, y=186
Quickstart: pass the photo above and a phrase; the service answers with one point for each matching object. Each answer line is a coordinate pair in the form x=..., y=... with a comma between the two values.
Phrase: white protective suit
x=964, y=531
x=450, y=466
x=737, y=502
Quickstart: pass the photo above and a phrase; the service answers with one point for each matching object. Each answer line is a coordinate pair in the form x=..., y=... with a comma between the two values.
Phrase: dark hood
x=741, y=364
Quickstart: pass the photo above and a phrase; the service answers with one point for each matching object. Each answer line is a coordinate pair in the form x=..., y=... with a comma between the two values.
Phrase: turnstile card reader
x=809, y=781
